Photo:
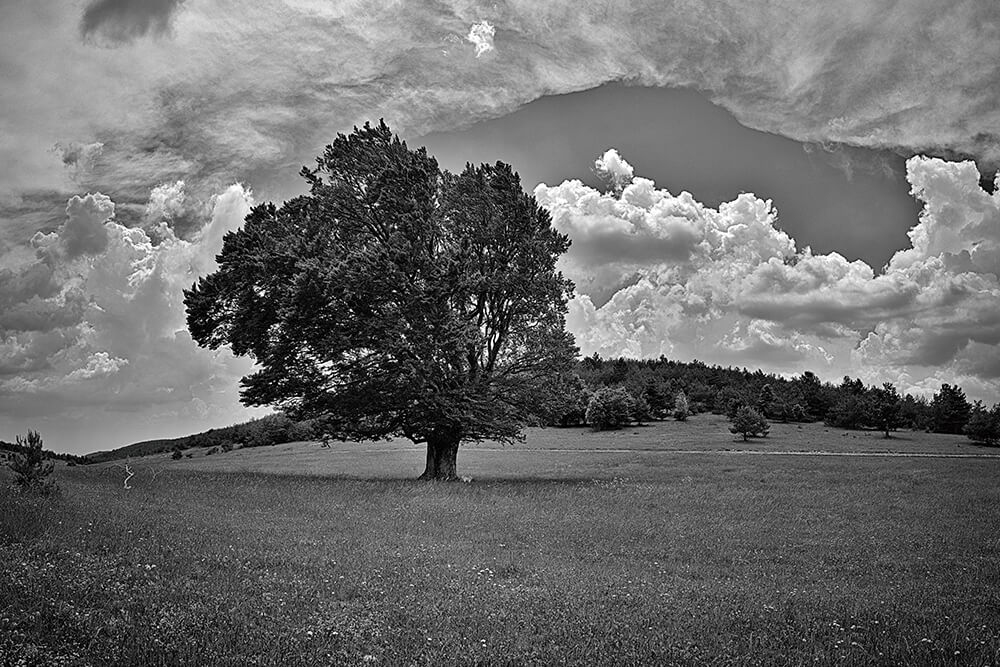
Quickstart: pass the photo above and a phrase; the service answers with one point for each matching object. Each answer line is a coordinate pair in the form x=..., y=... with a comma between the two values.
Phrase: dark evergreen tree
x=765, y=400
x=915, y=413
x=883, y=408
x=984, y=425
x=658, y=397
x=848, y=412
x=950, y=409
x=640, y=410
x=31, y=467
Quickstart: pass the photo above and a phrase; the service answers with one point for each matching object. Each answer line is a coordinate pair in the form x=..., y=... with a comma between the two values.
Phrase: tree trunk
x=442, y=454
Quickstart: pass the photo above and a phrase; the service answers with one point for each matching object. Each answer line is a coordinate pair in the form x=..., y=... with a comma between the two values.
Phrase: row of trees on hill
x=22, y=446
x=270, y=430
x=650, y=389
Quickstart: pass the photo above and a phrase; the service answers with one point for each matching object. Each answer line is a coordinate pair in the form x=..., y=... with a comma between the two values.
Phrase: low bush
x=32, y=469
x=749, y=423
x=610, y=408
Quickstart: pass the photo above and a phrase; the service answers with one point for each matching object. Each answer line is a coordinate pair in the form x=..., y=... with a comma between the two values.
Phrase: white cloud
x=113, y=336
x=207, y=100
x=98, y=365
x=614, y=169
x=725, y=285
x=481, y=35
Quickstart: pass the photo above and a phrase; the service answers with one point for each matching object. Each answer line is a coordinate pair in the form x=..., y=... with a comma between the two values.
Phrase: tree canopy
x=395, y=299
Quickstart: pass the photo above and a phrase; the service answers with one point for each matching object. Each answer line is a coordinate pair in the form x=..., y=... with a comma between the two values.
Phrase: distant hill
x=270, y=430
x=144, y=448
x=8, y=448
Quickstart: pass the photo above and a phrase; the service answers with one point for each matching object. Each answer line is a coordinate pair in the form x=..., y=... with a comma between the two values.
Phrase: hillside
x=144, y=448
x=270, y=430
x=654, y=384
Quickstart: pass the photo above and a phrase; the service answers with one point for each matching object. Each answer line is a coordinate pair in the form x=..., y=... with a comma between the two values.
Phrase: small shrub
x=213, y=450
x=609, y=408
x=189, y=455
x=681, y=409
x=227, y=447
x=178, y=454
x=31, y=468
x=749, y=423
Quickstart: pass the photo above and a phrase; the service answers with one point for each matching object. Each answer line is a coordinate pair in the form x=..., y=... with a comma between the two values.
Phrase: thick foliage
x=883, y=408
x=394, y=298
x=950, y=410
x=681, y=409
x=984, y=425
x=610, y=408
x=749, y=423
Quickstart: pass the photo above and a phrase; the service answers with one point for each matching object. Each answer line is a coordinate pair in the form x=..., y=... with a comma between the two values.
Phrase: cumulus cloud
x=101, y=325
x=726, y=285
x=171, y=212
x=614, y=169
x=84, y=232
x=98, y=365
x=123, y=21
x=481, y=35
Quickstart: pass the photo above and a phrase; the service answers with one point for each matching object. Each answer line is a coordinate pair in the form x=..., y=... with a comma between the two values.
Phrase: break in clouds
x=659, y=273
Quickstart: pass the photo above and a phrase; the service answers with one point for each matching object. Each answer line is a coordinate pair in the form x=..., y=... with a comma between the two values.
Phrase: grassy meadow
x=650, y=545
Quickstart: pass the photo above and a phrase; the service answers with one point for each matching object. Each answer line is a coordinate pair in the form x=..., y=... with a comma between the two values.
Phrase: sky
x=784, y=185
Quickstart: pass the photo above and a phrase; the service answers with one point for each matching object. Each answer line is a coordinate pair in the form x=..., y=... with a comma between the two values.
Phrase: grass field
x=301, y=555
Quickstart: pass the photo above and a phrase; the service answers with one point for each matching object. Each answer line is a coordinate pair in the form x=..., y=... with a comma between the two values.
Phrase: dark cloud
x=84, y=232
x=124, y=21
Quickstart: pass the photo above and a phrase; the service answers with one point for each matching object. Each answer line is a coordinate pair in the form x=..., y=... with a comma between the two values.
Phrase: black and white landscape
x=701, y=301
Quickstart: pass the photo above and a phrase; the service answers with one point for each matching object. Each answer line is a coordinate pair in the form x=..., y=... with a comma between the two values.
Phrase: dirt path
x=748, y=452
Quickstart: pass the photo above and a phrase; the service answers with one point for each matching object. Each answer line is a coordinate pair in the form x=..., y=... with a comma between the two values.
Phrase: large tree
x=395, y=299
